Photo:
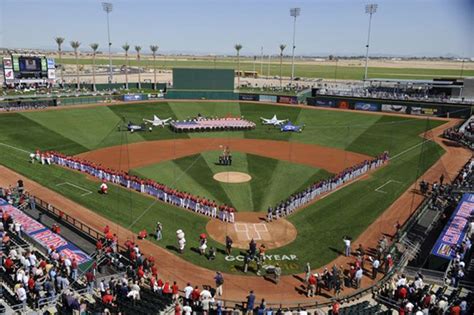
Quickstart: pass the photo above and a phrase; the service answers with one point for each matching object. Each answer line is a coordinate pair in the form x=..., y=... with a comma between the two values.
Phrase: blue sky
x=400, y=27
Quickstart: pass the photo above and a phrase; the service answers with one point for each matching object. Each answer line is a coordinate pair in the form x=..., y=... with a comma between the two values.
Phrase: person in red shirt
x=402, y=293
x=195, y=295
x=106, y=229
x=175, y=291
x=99, y=245
x=167, y=289
x=312, y=282
x=177, y=309
x=107, y=299
x=8, y=264
x=154, y=271
x=142, y=234
x=455, y=310
x=335, y=307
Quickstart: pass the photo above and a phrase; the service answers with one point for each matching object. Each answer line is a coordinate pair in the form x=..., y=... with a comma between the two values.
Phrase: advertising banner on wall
x=424, y=111
x=395, y=108
x=343, y=104
x=454, y=232
x=249, y=97
x=371, y=107
x=268, y=98
x=320, y=102
x=134, y=97
x=7, y=63
x=287, y=99
x=9, y=74
x=44, y=236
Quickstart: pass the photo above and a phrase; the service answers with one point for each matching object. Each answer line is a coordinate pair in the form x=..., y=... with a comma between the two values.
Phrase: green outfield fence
x=201, y=95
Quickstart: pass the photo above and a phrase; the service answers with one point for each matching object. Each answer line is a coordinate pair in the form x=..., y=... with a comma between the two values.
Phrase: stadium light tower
x=294, y=12
x=369, y=9
x=107, y=6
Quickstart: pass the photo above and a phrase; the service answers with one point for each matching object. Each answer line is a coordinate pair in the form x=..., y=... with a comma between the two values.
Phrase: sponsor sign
x=268, y=258
x=9, y=74
x=51, y=74
x=343, y=104
x=455, y=230
x=51, y=64
x=424, y=111
x=44, y=236
x=249, y=97
x=371, y=107
x=133, y=97
x=394, y=108
x=268, y=98
x=322, y=103
x=287, y=99
x=7, y=63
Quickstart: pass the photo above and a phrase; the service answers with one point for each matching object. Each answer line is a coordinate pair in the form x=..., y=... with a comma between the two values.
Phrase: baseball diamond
x=267, y=177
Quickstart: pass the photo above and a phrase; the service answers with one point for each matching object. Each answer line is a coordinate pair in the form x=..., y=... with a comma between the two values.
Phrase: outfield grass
x=301, y=70
x=320, y=226
x=272, y=180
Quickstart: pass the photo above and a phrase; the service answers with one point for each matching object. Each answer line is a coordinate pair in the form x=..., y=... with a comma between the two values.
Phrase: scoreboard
x=28, y=69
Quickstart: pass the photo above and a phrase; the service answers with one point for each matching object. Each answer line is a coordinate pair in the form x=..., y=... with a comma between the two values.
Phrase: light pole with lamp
x=107, y=6
x=369, y=9
x=294, y=12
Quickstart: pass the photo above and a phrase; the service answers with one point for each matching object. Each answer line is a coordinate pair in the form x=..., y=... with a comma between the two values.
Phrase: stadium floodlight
x=107, y=6
x=294, y=12
x=369, y=9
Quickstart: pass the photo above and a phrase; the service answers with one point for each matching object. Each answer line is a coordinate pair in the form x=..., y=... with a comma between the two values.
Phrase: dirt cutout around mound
x=151, y=152
x=232, y=177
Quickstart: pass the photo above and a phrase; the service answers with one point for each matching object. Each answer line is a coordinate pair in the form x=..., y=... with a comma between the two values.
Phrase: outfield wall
x=393, y=106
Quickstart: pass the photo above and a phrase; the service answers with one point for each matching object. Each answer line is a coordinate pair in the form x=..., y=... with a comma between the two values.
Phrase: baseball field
x=278, y=163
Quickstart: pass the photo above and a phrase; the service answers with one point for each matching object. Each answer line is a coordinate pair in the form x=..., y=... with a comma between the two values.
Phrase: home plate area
x=249, y=231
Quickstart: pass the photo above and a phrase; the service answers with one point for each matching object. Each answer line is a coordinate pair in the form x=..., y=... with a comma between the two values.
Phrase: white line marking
x=409, y=149
x=378, y=189
x=87, y=191
x=12, y=147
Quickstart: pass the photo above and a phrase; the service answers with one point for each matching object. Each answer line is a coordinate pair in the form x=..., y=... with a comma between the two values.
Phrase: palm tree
x=75, y=45
x=126, y=47
x=154, y=49
x=137, y=49
x=94, y=47
x=282, y=47
x=238, y=47
x=59, y=41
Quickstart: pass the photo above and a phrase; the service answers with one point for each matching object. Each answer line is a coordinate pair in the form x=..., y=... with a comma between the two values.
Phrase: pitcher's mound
x=232, y=177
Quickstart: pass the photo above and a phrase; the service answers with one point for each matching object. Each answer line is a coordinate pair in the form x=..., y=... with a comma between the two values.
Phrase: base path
x=252, y=225
x=236, y=287
x=151, y=152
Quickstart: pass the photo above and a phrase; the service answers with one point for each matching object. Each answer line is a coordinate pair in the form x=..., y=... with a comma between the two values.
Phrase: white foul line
x=388, y=182
x=87, y=192
x=409, y=149
x=15, y=148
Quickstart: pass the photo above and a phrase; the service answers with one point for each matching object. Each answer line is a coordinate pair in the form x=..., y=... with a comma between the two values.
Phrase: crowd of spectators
x=30, y=275
x=416, y=297
x=299, y=199
x=164, y=193
x=391, y=93
x=464, y=137
x=13, y=106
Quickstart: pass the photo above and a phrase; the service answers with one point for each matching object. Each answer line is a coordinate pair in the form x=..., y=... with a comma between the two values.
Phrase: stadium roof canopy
x=451, y=82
